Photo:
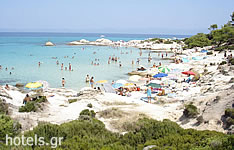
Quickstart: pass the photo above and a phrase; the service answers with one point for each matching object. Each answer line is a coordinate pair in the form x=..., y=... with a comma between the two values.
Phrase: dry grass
x=127, y=123
x=112, y=113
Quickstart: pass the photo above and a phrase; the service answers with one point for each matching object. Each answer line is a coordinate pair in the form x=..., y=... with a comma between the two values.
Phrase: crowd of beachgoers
x=193, y=74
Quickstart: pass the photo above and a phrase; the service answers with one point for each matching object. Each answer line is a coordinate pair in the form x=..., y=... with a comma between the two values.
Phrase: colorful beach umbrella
x=117, y=85
x=189, y=73
x=34, y=86
x=160, y=75
x=129, y=85
x=154, y=85
x=102, y=81
x=134, y=78
x=164, y=69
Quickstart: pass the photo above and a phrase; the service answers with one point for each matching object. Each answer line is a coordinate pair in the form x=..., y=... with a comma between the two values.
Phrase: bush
x=168, y=42
x=32, y=106
x=72, y=101
x=229, y=112
x=209, y=53
x=190, y=111
x=3, y=107
x=28, y=107
x=90, y=105
x=231, y=61
x=223, y=62
x=8, y=127
x=88, y=112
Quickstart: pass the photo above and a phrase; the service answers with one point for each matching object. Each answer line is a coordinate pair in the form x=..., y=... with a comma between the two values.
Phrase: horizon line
x=90, y=33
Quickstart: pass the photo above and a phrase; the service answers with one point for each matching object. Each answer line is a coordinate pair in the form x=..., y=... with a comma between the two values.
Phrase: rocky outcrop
x=49, y=44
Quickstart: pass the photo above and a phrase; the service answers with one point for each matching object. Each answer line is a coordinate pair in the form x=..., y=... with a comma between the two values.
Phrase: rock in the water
x=19, y=85
x=49, y=43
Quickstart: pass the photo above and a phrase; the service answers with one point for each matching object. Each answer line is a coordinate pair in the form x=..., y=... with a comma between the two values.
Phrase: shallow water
x=23, y=52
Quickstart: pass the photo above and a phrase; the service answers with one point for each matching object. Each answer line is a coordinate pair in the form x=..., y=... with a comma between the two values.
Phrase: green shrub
x=190, y=111
x=88, y=112
x=168, y=42
x=231, y=61
x=8, y=127
x=223, y=62
x=3, y=107
x=72, y=101
x=28, y=107
x=90, y=105
x=209, y=53
x=229, y=112
x=32, y=106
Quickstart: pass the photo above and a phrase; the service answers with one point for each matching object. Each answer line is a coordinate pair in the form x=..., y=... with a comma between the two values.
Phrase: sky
x=184, y=17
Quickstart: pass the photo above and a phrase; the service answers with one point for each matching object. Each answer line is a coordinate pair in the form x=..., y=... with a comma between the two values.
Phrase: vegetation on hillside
x=92, y=134
x=222, y=38
x=33, y=106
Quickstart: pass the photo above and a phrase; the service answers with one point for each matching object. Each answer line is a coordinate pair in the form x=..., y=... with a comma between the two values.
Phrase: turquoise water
x=23, y=51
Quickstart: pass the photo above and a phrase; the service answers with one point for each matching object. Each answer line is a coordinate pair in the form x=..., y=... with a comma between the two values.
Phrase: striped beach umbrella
x=164, y=69
x=34, y=86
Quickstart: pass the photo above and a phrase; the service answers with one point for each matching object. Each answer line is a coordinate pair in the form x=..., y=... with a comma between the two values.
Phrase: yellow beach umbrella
x=102, y=81
x=34, y=85
x=128, y=84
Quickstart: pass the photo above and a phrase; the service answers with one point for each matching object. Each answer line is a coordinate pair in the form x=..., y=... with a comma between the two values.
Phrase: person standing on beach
x=62, y=66
x=57, y=62
x=149, y=94
x=87, y=78
x=92, y=82
x=63, y=82
x=39, y=63
x=69, y=66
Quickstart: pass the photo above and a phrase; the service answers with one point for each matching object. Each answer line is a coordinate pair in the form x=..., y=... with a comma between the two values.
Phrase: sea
x=20, y=53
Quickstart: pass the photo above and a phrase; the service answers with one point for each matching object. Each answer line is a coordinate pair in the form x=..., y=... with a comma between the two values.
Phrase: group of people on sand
x=6, y=69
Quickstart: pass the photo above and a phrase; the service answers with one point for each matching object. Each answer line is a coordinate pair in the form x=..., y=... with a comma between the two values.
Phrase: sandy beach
x=215, y=81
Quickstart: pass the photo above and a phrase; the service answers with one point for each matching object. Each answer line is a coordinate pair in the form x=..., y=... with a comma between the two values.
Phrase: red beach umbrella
x=189, y=73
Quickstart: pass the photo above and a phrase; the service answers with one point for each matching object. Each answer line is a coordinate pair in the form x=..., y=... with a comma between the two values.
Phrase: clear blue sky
x=109, y=16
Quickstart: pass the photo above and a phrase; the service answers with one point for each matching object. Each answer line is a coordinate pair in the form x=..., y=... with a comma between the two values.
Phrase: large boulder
x=49, y=43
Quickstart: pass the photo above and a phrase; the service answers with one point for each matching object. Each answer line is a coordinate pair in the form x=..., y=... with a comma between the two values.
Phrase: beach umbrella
x=129, y=85
x=117, y=85
x=188, y=72
x=102, y=81
x=204, y=51
x=121, y=81
x=154, y=85
x=34, y=86
x=164, y=69
x=134, y=78
x=160, y=75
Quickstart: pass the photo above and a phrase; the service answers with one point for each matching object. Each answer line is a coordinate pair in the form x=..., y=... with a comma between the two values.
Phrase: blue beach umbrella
x=160, y=75
x=204, y=51
x=117, y=85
